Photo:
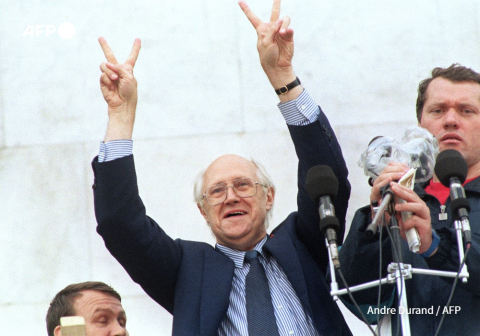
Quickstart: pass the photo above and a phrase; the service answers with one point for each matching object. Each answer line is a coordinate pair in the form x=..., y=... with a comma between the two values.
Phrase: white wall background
x=202, y=93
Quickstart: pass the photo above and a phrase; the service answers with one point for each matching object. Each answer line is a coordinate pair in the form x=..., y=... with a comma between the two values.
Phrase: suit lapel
x=216, y=287
x=286, y=254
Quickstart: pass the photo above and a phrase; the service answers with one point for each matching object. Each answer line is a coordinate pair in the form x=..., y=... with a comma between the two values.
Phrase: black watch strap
x=288, y=87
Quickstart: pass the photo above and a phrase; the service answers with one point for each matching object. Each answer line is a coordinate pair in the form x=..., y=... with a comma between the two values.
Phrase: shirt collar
x=239, y=256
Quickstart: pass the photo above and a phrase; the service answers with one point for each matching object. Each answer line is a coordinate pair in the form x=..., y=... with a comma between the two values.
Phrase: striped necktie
x=260, y=313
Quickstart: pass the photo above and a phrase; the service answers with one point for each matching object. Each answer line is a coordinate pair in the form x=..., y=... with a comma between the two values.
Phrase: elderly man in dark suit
x=207, y=288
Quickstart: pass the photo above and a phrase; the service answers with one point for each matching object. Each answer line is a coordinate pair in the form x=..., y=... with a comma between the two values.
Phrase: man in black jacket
x=448, y=106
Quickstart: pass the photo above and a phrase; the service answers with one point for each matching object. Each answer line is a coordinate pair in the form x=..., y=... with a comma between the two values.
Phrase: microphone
x=377, y=156
x=413, y=238
x=322, y=186
x=451, y=169
x=417, y=149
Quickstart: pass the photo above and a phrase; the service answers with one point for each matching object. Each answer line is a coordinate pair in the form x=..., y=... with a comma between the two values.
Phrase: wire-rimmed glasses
x=243, y=187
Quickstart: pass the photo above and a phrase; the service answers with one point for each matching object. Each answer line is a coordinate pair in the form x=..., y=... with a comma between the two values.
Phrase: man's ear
x=202, y=211
x=57, y=331
x=270, y=198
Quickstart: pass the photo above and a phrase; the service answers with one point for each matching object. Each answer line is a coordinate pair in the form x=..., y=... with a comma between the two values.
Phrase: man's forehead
x=440, y=86
x=93, y=300
x=107, y=309
x=228, y=167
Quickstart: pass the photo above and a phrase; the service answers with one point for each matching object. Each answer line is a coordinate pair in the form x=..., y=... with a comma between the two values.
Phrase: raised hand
x=119, y=89
x=275, y=44
x=117, y=82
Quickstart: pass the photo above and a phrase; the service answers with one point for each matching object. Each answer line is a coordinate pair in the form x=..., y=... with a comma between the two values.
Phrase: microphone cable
x=396, y=255
x=401, y=275
x=340, y=273
x=453, y=288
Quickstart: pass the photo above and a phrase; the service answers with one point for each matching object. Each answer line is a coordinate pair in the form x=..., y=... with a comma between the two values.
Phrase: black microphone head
x=321, y=181
x=450, y=163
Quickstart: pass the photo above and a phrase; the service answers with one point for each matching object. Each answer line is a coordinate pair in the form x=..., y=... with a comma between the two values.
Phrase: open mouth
x=236, y=213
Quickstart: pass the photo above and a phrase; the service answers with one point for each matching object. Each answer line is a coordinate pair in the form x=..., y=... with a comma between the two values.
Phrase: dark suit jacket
x=192, y=280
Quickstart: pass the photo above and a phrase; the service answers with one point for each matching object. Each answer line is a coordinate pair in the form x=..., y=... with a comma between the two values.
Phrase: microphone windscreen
x=450, y=163
x=321, y=181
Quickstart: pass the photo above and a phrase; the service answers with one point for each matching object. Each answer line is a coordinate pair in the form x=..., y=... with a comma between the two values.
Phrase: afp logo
x=66, y=30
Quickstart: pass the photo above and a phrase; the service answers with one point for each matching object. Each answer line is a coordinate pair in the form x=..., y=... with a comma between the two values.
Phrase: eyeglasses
x=243, y=187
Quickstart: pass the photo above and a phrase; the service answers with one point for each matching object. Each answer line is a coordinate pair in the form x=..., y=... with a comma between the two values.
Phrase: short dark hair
x=455, y=73
x=63, y=303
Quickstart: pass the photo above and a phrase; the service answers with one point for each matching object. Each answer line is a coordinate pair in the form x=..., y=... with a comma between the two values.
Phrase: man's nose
x=451, y=118
x=231, y=195
x=119, y=330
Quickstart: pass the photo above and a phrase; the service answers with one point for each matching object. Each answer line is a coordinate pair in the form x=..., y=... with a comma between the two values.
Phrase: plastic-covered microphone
x=322, y=186
x=417, y=149
x=451, y=169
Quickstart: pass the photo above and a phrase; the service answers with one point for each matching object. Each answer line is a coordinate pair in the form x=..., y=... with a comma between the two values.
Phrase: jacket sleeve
x=316, y=144
x=148, y=255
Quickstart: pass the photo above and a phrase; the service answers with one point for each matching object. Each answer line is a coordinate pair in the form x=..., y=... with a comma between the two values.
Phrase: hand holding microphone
x=403, y=191
x=415, y=218
x=387, y=160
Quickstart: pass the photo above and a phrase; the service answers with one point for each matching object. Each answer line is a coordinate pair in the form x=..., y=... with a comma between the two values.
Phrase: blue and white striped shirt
x=301, y=111
x=291, y=317
x=114, y=149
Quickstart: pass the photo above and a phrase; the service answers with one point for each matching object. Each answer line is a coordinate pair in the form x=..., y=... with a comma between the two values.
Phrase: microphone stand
x=398, y=272
x=461, y=253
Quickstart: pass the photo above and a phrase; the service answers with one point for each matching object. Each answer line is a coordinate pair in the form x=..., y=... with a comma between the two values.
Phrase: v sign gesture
x=275, y=45
x=119, y=88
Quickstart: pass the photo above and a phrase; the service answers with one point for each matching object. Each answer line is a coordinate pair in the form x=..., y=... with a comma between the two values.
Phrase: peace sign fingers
x=107, y=51
x=275, y=11
x=132, y=58
x=254, y=20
